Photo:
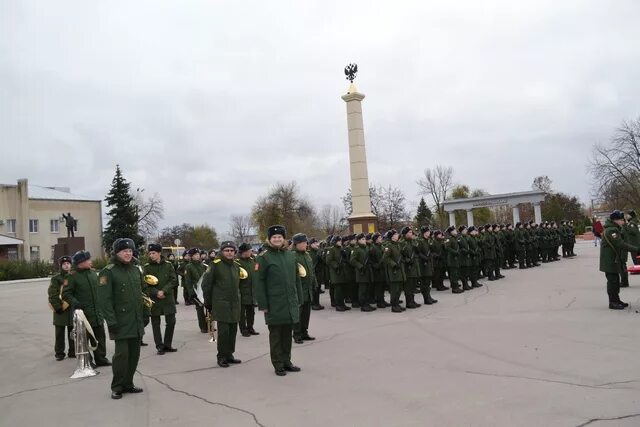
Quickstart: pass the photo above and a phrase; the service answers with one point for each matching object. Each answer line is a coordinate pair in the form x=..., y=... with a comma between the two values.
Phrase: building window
x=55, y=225
x=33, y=226
x=11, y=226
x=35, y=253
x=12, y=254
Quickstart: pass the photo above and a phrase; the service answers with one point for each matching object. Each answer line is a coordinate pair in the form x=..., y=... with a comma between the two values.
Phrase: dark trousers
x=624, y=274
x=316, y=295
x=280, y=345
x=332, y=293
x=394, y=290
x=227, y=339
x=634, y=257
x=438, y=276
x=61, y=333
x=202, y=319
x=378, y=289
x=353, y=293
x=410, y=286
x=454, y=274
x=363, y=293
x=125, y=363
x=175, y=294
x=170, y=325
x=338, y=293
x=613, y=286
x=247, y=317
x=185, y=296
x=301, y=328
x=100, y=353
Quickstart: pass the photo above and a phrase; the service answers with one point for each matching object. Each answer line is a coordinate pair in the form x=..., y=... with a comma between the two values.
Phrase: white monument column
x=537, y=213
x=469, y=217
x=361, y=219
x=452, y=218
x=516, y=214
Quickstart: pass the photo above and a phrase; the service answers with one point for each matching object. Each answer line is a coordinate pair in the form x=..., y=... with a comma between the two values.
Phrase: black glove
x=208, y=307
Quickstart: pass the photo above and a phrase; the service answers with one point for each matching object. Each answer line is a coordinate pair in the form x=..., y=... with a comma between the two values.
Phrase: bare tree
x=615, y=168
x=542, y=183
x=332, y=220
x=241, y=227
x=436, y=184
x=150, y=212
x=283, y=205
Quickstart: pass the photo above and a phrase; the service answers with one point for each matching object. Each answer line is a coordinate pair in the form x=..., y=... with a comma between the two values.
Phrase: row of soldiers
x=360, y=268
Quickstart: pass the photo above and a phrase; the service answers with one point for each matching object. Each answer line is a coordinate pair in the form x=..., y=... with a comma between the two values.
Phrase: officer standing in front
x=62, y=317
x=120, y=292
x=163, y=298
x=279, y=293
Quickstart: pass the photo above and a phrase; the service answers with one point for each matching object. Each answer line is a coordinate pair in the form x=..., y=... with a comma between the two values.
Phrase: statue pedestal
x=67, y=246
x=363, y=224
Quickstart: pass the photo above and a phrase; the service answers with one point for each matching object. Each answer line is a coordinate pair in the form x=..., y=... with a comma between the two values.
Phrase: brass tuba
x=302, y=272
x=80, y=328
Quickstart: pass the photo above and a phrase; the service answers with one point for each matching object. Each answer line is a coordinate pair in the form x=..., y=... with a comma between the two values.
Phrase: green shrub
x=99, y=263
x=16, y=270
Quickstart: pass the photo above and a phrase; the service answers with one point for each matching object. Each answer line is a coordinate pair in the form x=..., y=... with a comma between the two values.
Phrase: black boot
x=465, y=285
x=397, y=309
x=427, y=298
x=476, y=284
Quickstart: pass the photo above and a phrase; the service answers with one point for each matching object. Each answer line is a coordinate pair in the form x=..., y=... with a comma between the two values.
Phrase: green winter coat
x=120, y=293
x=613, y=249
x=278, y=287
x=358, y=261
x=632, y=233
x=474, y=250
x=376, y=252
x=193, y=271
x=410, y=258
x=247, y=285
x=437, y=253
x=319, y=267
x=56, y=288
x=167, y=281
x=308, y=283
x=221, y=290
x=335, y=263
x=392, y=259
x=82, y=292
x=489, y=245
x=465, y=251
x=424, y=254
x=452, y=248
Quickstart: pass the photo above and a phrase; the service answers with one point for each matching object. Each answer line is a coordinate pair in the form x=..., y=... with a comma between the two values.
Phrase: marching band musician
x=193, y=271
x=247, y=298
x=61, y=316
x=221, y=291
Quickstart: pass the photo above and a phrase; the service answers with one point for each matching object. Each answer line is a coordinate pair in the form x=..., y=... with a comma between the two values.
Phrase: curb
x=17, y=282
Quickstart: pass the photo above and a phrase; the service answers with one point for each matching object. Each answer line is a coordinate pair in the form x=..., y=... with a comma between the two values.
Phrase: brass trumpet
x=211, y=326
x=148, y=302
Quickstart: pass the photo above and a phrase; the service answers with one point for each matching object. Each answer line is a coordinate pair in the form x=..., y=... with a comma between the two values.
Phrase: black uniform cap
x=424, y=229
x=64, y=259
x=615, y=215
x=154, y=247
x=122, y=244
x=276, y=229
x=81, y=256
x=405, y=230
x=299, y=238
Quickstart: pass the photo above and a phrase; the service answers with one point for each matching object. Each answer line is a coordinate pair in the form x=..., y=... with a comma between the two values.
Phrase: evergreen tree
x=423, y=214
x=122, y=212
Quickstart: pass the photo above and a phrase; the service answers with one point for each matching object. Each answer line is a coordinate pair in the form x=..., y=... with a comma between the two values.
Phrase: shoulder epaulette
x=109, y=266
x=146, y=264
x=217, y=260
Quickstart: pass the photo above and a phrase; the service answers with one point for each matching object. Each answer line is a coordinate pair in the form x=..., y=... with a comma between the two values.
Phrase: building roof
x=6, y=240
x=37, y=192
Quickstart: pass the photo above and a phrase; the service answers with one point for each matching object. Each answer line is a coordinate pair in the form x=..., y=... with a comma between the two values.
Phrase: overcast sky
x=209, y=103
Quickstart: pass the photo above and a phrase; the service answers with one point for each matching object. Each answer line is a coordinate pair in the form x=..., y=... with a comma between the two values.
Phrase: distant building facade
x=31, y=220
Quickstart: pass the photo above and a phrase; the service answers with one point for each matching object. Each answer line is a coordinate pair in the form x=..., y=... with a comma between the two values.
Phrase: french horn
x=302, y=272
x=243, y=273
x=148, y=302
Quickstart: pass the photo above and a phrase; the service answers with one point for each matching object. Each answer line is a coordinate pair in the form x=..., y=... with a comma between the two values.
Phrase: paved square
x=539, y=348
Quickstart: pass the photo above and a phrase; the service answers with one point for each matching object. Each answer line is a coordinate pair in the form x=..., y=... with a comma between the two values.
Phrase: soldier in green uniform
x=162, y=296
x=632, y=235
x=308, y=283
x=464, y=258
x=438, y=255
x=392, y=258
x=193, y=271
x=473, y=239
x=62, y=317
x=319, y=270
x=172, y=259
x=520, y=245
x=351, y=295
x=359, y=260
x=497, y=238
x=611, y=261
x=279, y=294
x=509, y=247
x=247, y=299
x=378, y=273
x=410, y=262
x=121, y=292
x=335, y=261
x=82, y=293
x=426, y=264
x=452, y=248
x=572, y=238
x=182, y=270
x=221, y=294
x=489, y=252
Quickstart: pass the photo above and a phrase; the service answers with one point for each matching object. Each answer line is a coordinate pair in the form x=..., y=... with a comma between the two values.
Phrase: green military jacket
x=498, y=239
x=278, y=286
x=167, y=281
x=410, y=258
x=120, y=292
x=613, y=249
x=465, y=251
x=221, y=290
x=489, y=245
x=319, y=266
x=56, y=288
x=632, y=233
x=519, y=239
x=193, y=271
x=437, y=253
x=247, y=285
x=308, y=283
x=424, y=255
x=474, y=250
x=452, y=248
x=392, y=258
x=376, y=253
x=359, y=261
x=82, y=291
x=349, y=271
x=335, y=263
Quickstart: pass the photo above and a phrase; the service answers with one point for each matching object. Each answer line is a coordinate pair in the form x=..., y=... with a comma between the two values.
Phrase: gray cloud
x=210, y=103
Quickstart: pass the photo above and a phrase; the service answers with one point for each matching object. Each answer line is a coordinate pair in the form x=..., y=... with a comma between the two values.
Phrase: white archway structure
x=509, y=199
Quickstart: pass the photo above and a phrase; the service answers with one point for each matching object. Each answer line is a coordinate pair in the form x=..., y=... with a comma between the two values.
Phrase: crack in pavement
x=195, y=396
x=597, y=386
x=571, y=302
x=595, y=420
x=37, y=389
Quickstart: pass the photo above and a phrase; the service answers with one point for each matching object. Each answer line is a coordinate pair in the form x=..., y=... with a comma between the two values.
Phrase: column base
x=363, y=224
